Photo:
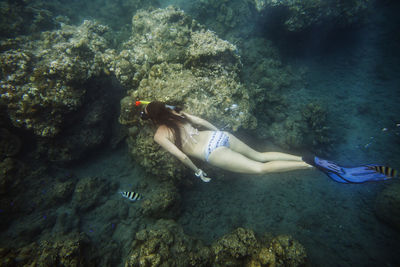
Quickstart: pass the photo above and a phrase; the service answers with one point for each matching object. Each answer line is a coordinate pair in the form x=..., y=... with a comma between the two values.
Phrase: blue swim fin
x=359, y=174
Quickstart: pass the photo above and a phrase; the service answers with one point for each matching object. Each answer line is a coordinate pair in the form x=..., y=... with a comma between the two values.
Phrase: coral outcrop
x=42, y=80
x=172, y=58
x=165, y=243
x=162, y=202
x=303, y=14
x=231, y=19
x=71, y=250
x=89, y=192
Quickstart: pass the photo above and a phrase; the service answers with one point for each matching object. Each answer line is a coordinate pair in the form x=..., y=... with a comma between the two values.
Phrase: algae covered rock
x=165, y=244
x=387, y=205
x=42, y=79
x=90, y=192
x=172, y=58
x=235, y=248
x=162, y=202
x=300, y=15
x=71, y=250
x=242, y=248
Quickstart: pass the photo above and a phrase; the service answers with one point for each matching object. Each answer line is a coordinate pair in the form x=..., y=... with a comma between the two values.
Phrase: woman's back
x=193, y=141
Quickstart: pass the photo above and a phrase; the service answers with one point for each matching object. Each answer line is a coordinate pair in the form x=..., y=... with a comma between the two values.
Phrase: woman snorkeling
x=178, y=133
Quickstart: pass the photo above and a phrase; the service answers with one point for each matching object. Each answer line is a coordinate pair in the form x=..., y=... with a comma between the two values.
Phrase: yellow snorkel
x=141, y=102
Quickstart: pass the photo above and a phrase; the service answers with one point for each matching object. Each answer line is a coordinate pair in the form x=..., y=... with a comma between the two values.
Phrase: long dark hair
x=160, y=114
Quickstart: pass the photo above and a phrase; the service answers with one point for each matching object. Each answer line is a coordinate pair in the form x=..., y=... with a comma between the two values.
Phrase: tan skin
x=239, y=157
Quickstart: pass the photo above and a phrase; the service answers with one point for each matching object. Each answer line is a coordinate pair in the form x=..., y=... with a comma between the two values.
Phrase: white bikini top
x=189, y=132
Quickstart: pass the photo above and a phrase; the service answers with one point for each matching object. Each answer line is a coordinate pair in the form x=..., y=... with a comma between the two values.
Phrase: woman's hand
x=202, y=175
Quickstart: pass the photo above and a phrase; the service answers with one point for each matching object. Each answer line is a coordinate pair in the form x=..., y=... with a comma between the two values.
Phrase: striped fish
x=389, y=172
x=132, y=196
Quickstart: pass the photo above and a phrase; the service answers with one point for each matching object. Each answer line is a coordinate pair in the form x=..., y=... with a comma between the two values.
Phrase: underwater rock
x=42, y=79
x=162, y=202
x=288, y=252
x=299, y=15
x=315, y=128
x=230, y=19
x=17, y=18
x=89, y=192
x=387, y=205
x=242, y=248
x=10, y=144
x=235, y=248
x=89, y=128
x=165, y=244
x=11, y=172
x=71, y=250
x=60, y=193
x=171, y=58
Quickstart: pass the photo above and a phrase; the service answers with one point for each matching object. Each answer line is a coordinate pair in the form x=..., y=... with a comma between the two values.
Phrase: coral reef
x=26, y=17
x=71, y=250
x=162, y=202
x=42, y=80
x=165, y=244
x=171, y=58
x=387, y=205
x=235, y=248
x=231, y=19
x=303, y=14
x=89, y=192
x=18, y=18
x=315, y=131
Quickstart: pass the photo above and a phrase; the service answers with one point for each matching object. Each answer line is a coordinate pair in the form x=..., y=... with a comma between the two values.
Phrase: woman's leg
x=230, y=160
x=242, y=148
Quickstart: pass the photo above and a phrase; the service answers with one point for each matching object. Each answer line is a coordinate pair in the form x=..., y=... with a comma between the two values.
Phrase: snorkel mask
x=143, y=114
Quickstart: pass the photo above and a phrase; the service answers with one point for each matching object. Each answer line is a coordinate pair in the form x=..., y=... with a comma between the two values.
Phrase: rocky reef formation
x=163, y=201
x=165, y=243
x=42, y=80
x=300, y=15
x=172, y=58
x=26, y=17
x=281, y=120
x=71, y=250
x=233, y=20
x=54, y=85
x=387, y=205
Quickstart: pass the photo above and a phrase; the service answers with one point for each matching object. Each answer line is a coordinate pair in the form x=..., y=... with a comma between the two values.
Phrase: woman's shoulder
x=163, y=131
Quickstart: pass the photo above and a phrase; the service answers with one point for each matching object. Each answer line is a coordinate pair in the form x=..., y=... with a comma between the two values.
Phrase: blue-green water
x=353, y=72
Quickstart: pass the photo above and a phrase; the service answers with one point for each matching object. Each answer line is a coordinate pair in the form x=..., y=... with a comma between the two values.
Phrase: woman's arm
x=199, y=121
x=161, y=137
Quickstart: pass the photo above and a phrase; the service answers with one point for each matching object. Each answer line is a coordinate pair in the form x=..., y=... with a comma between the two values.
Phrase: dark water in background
x=355, y=74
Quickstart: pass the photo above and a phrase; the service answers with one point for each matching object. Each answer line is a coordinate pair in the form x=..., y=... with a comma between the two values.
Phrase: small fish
x=133, y=196
x=388, y=171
